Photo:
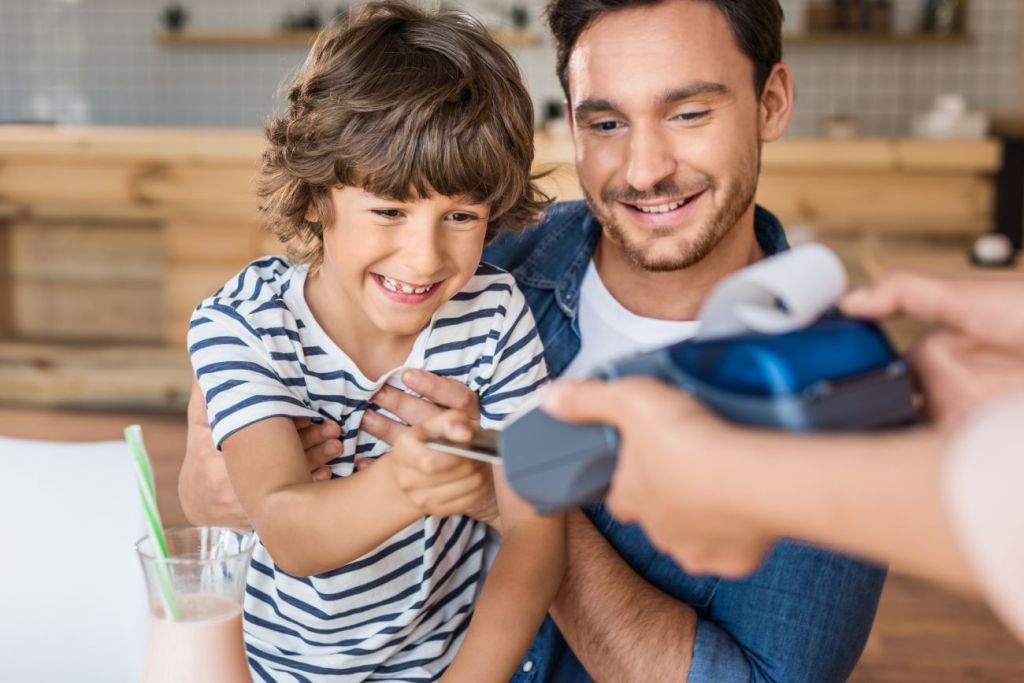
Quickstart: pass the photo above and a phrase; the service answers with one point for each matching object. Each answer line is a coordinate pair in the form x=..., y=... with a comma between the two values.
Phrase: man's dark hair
x=756, y=24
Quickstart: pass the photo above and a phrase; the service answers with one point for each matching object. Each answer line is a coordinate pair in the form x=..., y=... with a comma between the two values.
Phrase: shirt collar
x=559, y=260
x=769, y=233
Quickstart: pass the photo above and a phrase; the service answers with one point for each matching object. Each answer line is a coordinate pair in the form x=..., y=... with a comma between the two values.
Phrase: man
x=669, y=104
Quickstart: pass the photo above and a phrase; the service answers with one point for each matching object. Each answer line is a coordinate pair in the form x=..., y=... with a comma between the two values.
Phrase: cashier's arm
x=716, y=496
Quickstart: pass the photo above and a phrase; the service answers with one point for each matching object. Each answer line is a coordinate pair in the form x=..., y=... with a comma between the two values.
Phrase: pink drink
x=203, y=646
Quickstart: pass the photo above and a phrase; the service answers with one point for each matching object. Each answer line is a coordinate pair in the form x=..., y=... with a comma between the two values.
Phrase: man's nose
x=650, y=158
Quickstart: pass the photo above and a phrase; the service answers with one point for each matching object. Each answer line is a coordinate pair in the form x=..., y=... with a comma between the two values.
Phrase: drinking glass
x=205, y=570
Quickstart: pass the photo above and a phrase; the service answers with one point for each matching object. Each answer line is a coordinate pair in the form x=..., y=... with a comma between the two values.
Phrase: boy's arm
x=297, y=519
x=251, y=410
x=520, y=588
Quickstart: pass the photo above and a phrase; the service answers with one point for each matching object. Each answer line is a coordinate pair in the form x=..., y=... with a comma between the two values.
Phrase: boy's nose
x=424, y=253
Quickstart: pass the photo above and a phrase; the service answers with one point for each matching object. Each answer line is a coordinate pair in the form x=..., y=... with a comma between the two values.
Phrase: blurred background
x=204, y=63
x=130, y=132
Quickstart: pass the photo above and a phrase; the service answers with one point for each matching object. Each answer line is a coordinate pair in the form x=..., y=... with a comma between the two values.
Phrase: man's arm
x=519, y=589
x=803, y=618
x=620, y=627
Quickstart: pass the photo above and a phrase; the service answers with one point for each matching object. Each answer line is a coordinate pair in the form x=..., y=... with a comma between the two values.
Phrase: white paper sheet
x=778, y=295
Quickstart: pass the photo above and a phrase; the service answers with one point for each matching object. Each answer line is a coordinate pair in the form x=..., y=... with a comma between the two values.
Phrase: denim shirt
x=550, y=260
x=804, y=616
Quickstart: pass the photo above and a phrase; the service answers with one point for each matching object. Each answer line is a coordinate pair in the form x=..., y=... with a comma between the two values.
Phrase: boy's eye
x=461, y=217
x=388, y=213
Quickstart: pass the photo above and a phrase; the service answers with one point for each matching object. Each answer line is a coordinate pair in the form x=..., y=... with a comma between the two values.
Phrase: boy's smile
x=388, y=266
x=406, y=292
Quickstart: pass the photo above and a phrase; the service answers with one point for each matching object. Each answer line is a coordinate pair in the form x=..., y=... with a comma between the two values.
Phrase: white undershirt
x=610, y=331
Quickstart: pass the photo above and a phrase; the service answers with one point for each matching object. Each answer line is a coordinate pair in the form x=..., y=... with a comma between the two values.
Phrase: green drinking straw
x=147, y=491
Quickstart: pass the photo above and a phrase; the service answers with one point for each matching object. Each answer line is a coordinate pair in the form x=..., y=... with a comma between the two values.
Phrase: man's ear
x=776, y=103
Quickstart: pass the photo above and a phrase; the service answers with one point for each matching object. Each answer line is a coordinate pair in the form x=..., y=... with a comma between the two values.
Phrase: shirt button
x=528, y=666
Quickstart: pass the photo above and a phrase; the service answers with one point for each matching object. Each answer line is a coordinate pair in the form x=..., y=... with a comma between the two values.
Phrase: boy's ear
x=311, y=213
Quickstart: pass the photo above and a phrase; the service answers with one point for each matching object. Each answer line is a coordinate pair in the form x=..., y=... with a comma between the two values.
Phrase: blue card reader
x=834, y=375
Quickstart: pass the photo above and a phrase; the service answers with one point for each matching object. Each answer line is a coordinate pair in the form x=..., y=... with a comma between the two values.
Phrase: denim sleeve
x=804, y=616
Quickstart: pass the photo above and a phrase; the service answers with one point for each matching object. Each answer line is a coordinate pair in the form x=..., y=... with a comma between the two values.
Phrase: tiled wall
x=884, y=85
x=95, y=62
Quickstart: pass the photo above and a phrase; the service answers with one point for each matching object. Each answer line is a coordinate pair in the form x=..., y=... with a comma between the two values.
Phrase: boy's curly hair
x=402, y=104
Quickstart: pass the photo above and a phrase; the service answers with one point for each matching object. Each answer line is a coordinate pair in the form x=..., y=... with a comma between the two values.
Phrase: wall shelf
x=836, y=38
x=202, y=39
x=509, y=39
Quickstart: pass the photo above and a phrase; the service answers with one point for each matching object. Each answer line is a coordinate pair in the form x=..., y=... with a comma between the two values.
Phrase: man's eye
x=693, y=115
x=605, y=126
x=388, y=213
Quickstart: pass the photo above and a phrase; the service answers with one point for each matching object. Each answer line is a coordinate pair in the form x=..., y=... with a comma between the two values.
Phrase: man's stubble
x=690, y=251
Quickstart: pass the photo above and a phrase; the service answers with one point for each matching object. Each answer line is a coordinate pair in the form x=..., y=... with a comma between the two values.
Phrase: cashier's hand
x=204, y=489
x=671, y=451
x=976, y=352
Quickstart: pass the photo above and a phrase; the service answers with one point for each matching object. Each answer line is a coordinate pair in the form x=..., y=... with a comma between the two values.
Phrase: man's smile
x=661, y=212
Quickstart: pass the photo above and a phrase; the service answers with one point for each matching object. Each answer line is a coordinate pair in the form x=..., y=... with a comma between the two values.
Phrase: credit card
x=483, y=447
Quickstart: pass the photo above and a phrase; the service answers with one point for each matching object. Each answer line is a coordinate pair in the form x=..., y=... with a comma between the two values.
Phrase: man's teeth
x=402, y=288
x=660, y=208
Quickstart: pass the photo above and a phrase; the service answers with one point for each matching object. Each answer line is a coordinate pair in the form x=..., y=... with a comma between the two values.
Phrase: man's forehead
x=655, y=50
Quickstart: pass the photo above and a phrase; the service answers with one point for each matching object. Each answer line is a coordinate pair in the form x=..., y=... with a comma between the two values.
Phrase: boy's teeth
x=661, y=208
x=401, y=288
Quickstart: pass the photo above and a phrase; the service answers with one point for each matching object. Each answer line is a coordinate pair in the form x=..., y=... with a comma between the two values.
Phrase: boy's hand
x=439, y=394
x=438, y=484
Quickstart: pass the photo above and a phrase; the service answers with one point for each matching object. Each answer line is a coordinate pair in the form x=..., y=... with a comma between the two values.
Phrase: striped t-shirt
x=400, y=611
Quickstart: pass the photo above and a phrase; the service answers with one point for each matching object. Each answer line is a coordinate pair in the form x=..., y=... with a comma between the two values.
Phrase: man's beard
x=690, y=251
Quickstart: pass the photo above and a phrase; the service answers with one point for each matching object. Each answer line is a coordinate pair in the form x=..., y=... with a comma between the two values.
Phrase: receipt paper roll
x=778, y=295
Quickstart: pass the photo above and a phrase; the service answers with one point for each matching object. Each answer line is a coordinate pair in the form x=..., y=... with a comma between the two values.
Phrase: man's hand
x=440, y=394
x=671, y=452
x=437, y=483
x=977, y=352
x=203, y=485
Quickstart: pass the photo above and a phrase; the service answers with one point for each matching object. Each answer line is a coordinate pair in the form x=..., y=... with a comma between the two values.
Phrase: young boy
x=406, y=145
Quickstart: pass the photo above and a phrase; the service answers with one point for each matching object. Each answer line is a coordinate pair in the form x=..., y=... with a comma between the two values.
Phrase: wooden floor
x=922, y=634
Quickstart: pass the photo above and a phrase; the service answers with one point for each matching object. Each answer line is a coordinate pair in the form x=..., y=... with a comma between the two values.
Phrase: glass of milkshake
x=206, y=567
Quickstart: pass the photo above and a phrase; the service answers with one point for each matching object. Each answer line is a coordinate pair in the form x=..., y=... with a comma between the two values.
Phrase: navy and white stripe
x=399, y=612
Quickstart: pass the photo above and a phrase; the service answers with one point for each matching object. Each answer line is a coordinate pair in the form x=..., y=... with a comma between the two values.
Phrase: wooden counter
x=109, y=237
